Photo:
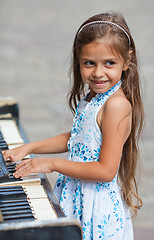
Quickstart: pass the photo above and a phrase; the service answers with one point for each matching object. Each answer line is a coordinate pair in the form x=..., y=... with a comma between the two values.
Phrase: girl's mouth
x=99, y=82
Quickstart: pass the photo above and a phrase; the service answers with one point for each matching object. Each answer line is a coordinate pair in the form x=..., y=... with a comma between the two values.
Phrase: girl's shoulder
x=117, y=103
x=116, y=106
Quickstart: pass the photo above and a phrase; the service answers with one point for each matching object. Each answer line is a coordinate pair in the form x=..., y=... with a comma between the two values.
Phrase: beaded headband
x=105, y=22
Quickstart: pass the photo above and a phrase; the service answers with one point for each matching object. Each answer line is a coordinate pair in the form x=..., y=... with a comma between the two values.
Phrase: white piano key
x=39, y=202
x=42, y=209
x=10, y=132
x=35, y=191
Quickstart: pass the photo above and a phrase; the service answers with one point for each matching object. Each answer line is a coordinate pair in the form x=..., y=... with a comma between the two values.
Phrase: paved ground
x=35, y=49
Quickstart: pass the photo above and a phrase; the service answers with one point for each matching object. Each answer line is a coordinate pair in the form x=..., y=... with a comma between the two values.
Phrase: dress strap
x=100, y=98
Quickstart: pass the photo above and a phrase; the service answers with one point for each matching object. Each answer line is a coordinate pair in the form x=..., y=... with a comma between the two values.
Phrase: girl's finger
x=21, y=164
x=20, y=172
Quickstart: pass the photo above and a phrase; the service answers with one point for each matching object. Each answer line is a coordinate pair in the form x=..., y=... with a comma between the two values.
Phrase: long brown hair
x=118, y=41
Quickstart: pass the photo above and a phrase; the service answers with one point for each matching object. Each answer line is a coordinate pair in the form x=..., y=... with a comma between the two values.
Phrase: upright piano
x=28, y=207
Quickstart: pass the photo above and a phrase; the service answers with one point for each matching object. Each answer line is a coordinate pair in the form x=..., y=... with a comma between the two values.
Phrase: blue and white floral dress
x=98, y=206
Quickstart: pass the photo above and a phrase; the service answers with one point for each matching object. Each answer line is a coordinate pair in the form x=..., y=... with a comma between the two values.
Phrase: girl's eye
x=109, y=63
x=88, y=63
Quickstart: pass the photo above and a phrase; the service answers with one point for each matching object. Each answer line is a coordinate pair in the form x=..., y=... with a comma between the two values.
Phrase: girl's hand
x=16, y=154
x=34, y=165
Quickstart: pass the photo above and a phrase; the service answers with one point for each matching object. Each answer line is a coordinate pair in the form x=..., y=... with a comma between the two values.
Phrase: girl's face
x=100, y=68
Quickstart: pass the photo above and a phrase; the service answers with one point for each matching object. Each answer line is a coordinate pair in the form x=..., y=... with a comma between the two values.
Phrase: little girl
x=97, y=183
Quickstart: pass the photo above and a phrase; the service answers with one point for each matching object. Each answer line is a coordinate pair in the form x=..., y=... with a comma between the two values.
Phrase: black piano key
x=19, y=216
x=32, y=218
x=17, y=212
x=1, y=137
x=13, y=191
x=9, y=201
x=13, y=195
x=4, y=188
x=3, y=168
x=11, y=165
x=12, y=204
x=8, y=190
x=15, y=207
x=12, y=178
x=3, y=146
x=2, y=141
x=11, y=171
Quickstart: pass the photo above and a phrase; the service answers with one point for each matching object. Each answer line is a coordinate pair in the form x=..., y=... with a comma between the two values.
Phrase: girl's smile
x=100, y=68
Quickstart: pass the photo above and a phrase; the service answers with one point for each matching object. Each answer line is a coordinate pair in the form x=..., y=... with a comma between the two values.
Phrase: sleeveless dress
x=98, y=206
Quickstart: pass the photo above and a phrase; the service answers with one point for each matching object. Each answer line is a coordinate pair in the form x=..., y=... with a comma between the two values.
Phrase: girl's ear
x=126, y=65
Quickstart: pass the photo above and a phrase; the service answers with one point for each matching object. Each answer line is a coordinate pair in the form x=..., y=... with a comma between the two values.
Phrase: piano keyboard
x=41, y=206
x=19, y=203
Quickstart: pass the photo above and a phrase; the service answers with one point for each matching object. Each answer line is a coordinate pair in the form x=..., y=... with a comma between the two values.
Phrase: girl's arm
x=56, y=144
x=116, y=127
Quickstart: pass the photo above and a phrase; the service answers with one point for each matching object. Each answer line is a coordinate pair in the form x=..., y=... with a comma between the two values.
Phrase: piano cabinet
x=58, y=227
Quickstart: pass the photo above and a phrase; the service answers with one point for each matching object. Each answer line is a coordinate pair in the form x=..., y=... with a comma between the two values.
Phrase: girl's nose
x=98, y=72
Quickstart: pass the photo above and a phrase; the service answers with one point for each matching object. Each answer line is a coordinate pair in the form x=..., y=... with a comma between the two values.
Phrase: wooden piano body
x=49, y=220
